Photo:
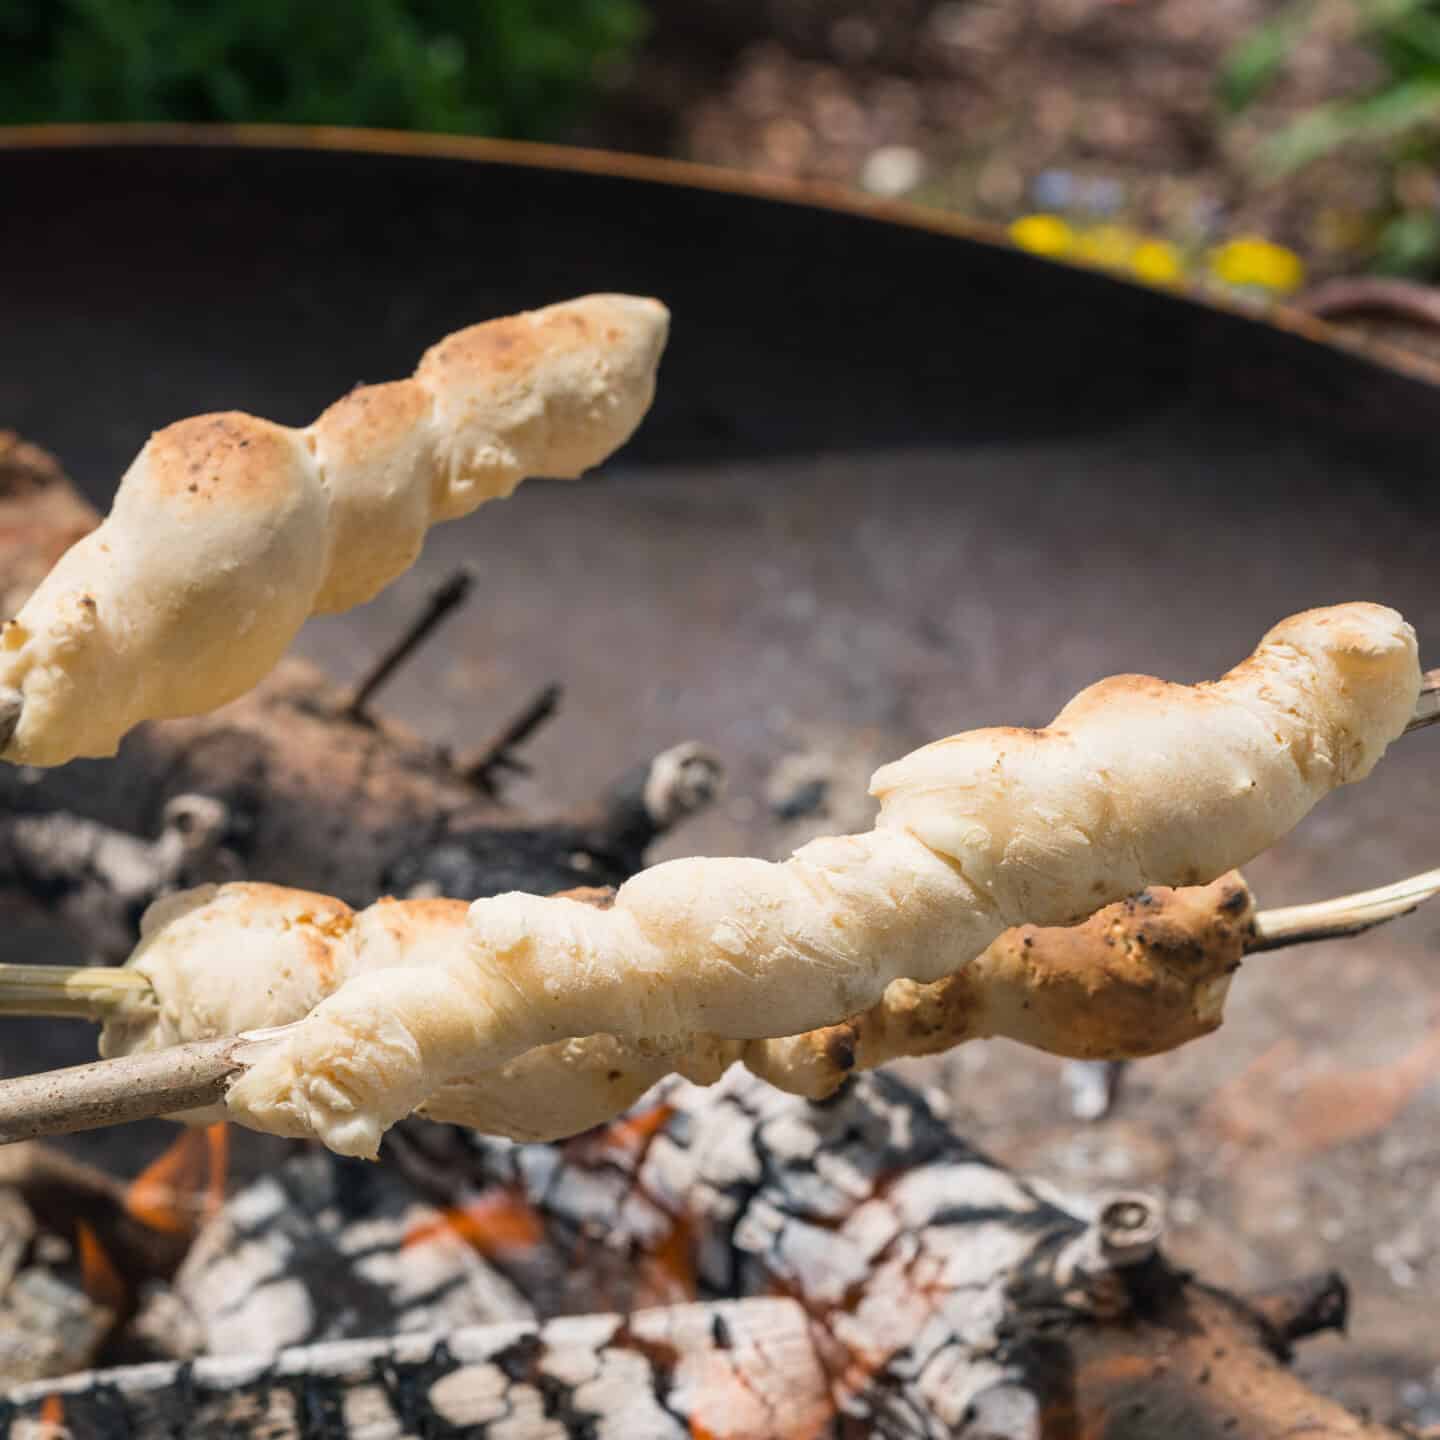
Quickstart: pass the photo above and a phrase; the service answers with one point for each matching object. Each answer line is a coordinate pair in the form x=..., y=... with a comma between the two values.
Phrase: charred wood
x=735, y=1370
x=924, y=1290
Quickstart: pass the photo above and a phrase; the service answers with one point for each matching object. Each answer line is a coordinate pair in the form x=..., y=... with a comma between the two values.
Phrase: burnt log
x=945, y=1294
x=745, y=1370
x=293, y=783
x=733, y=1262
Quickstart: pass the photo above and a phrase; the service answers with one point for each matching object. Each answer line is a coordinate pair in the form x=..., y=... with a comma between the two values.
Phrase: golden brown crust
x=1141, y=977
x=371, y=418
x=514, y=345
x=233, y=460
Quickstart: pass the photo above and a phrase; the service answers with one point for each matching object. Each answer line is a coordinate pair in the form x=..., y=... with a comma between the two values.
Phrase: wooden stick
x=133, y=1087
x=80, y=992
x=1427, y=707
x=1344, y=915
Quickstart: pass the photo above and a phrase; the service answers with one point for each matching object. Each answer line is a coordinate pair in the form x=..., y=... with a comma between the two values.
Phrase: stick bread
x=1136, y=783
x=228, y=531
x=1137, y=978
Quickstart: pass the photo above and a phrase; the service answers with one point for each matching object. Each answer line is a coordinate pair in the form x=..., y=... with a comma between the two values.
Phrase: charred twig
x=1304, y=1307
x=482, y=768
x=441, y=601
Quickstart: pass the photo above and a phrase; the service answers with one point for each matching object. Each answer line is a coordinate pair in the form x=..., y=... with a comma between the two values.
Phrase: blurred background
x=1242, y=144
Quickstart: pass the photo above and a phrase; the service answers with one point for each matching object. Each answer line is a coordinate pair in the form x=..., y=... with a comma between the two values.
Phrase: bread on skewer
x=1136, y=783
x=1139, y=977
x=229, y=531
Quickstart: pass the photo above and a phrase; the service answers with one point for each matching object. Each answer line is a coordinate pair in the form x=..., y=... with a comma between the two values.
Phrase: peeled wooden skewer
x=1427, y=708
x=185, y=1077
x=1349, y=915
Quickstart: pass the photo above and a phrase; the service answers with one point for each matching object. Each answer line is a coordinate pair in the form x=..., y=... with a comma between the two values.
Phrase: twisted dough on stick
x=229, y=531
x=1137, y=782
x=1137, y=978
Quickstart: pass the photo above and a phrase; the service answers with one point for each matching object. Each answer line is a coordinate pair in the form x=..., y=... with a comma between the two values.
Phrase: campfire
x=787, y=1246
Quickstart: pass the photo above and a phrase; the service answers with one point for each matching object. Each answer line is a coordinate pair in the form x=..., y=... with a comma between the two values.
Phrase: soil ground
x=1103, y=110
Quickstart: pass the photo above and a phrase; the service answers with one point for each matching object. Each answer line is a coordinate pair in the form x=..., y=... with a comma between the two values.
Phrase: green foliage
x=1405, y=37
x=1398, y=120
x=520, y=68
x=1254, y=64
x=1409, y=244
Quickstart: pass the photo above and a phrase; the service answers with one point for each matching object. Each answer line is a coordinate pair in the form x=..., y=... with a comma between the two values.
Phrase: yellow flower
x=1108, y=246
x=1253, y=263
x=1042, y=234
x=1157, y=262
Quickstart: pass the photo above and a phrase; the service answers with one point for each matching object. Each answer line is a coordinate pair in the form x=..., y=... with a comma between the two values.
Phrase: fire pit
x=939, y=484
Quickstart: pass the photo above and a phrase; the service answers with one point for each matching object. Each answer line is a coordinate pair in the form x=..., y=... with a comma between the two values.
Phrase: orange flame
x=103, y=1282
x=669, y=1268
x=492, y=1225
x=52, y=1414
x=184, y=1185
x=638, y=1130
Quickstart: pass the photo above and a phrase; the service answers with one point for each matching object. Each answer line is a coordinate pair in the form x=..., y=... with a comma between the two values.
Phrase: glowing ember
x=185, y=1185
x=493, y=1225
x=103, y=1282
x=52, y=1415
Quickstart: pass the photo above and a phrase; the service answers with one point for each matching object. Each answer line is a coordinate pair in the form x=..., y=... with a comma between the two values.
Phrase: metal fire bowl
x=899, y=480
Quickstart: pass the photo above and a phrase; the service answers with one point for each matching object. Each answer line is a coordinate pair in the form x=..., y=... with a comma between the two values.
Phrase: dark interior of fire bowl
x=896, y=482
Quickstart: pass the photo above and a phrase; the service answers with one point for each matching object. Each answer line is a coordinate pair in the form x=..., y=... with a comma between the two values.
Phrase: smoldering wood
x=727, y=1369
x=943, y=1290
x=855, y=1261
x=326, y=1249
x=288, y=785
